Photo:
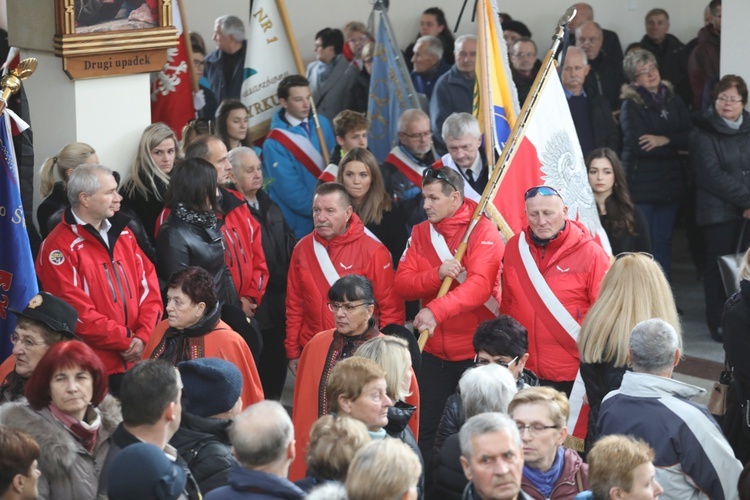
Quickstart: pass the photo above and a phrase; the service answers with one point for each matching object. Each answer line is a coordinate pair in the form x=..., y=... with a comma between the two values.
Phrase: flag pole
x=509, y=152
x=301, y=71
x=483, y=81
x=188, y=47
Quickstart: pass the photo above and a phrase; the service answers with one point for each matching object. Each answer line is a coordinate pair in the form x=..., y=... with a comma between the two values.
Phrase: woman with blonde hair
x=634, y=289
x=334, y=440
x=359, y=172
x=384, y=469
x=62, y=164
x=144, y=189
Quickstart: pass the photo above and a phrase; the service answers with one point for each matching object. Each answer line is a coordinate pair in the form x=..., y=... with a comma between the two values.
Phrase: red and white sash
x=325, y=262
x=561, y=324
x=469, y=192
x=330, y=173
x=405, y=165
x=303, y=150
x=441, y=249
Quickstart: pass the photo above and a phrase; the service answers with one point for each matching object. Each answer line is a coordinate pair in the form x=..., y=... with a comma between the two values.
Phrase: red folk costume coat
x=462, y=309
x=223, y=343
x=308, y=405
x=573, y=265
x=354, y=252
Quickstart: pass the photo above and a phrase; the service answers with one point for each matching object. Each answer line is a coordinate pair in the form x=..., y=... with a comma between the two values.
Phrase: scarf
x=342, y=347
x=204, y=219
x=377, y=435
x=182, y=345
x=734, y=125
x=545, y=481
x=85, y=432
x=658, y=100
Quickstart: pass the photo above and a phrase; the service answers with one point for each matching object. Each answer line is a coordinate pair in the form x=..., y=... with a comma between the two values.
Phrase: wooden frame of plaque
x=95, y=42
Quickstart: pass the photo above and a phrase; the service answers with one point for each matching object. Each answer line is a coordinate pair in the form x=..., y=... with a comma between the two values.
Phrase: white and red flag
x=550, y=154
x=171, y=89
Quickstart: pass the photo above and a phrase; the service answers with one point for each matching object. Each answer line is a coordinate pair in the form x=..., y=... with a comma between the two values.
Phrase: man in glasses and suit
x=552, y=271
x=452, y=319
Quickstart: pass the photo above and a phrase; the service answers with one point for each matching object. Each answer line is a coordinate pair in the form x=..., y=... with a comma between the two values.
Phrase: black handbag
x=729, y=266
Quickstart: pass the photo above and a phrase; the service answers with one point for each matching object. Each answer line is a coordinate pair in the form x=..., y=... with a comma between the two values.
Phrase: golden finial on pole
x=11, y=83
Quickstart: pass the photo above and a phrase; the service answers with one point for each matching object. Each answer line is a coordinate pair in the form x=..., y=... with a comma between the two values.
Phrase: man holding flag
x=292, y=153
x=453, y=318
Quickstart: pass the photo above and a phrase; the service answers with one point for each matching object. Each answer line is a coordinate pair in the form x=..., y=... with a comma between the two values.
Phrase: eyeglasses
x=198, y=64
x=420, y=135
x=623, y=254
x=484, y=362
x=26, y=342
x=437, y=173
x=542, y=191
x=733, y=100
x=347, y=307
x=646, y=71
x=534, y=429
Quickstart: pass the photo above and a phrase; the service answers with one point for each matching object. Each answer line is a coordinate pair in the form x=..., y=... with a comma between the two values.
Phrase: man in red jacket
x=453, y=318
x=551, y=276
x=93, y=260
x=339, y=245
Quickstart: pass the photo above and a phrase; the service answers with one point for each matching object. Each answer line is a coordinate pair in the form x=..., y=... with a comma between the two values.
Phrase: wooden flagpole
x=509, y=152
x=188, y=47
x=301, y=70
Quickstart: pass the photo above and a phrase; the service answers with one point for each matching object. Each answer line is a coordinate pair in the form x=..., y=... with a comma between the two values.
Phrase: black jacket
x=203, y=443
x=657, y=175
x=599, y=378
x=392, y=233
x=736, y=325
x=215, y=73
x=606, y=133
x=605, y=78
x=720, y=157
x=672, y=59
x=448, y=480
x=398, y=428
x=181, y=244
x=622, y=241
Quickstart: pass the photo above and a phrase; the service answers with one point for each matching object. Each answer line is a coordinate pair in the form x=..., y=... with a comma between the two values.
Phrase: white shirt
x=103, y=229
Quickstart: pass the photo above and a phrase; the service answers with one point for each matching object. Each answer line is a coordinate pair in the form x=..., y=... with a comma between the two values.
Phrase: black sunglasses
x=541, y=190
x=437, y=173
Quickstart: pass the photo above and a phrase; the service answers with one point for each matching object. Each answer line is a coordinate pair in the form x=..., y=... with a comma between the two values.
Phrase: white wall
x=734, y=17
x=626, y=17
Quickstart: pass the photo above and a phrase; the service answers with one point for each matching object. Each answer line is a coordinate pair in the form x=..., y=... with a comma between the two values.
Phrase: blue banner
x=391, y=90
x=17, y=277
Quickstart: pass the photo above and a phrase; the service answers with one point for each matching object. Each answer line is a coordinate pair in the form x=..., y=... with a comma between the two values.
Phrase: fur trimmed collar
x=60, y=449
x=627, y=91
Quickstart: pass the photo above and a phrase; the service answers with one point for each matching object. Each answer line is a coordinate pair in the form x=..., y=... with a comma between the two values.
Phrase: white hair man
x=262, y=440
x=492, y=458
x=693, y=459
x=428, y=64
x=454, y=91
x=463, y=139
x=228, y=60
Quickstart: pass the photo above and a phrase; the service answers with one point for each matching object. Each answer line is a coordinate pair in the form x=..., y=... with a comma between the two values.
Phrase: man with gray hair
x=403, y=167
x=463, y=139
x=225, y=66
x=454, y=91
x=428, y=64
x=592, y=115
x=262, y=438
x=92, y=259
x=492, y=458
x=606, y=76
x=693, y=459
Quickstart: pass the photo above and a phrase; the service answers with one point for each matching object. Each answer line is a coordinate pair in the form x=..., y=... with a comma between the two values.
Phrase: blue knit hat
x=210, y=386
x=142, y=471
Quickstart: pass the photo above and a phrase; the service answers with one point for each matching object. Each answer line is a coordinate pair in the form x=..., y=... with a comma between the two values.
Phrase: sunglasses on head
x=437, y=173
x=542, y=191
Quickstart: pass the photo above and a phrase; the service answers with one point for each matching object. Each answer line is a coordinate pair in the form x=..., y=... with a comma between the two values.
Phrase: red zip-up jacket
x=114, y=289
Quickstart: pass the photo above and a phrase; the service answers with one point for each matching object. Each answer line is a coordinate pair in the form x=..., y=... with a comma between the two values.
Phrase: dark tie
x=470, y=176
x=306, y=127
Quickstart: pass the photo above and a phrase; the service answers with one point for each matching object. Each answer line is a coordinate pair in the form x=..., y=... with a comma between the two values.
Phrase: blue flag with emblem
x=17, y=277
x=391, y=89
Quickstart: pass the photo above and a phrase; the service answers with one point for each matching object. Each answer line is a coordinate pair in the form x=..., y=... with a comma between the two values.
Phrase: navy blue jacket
x=251, y=484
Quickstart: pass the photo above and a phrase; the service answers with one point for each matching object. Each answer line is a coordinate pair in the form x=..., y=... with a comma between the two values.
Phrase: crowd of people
x=177, y=300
